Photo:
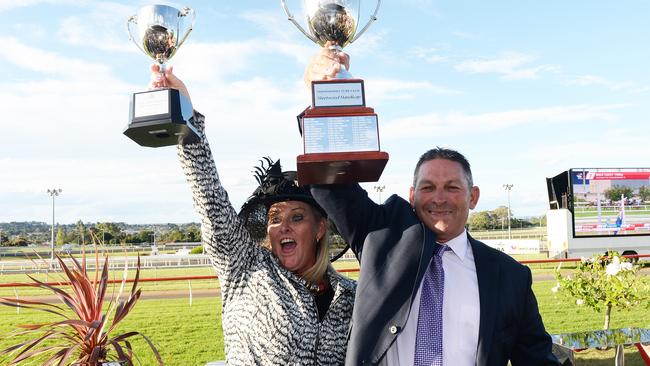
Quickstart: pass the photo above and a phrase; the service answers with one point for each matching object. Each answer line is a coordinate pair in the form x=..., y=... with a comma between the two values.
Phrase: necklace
x=317, y=288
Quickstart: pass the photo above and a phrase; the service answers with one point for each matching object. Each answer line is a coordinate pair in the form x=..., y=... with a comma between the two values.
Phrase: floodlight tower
x=379, y=189
x=508, y=188
x=54, y=193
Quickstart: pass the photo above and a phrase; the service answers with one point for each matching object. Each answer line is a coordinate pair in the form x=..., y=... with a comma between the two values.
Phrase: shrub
x=604, y=281
x=84, y=334
x=197, y=250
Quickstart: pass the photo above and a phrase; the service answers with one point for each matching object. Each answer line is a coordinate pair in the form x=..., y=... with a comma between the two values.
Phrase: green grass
x=561, y=315
x=192, y=335
x=182, y=334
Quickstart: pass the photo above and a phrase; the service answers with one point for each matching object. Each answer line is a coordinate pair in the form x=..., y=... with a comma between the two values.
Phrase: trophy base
x=338, y=168
x=161, y=117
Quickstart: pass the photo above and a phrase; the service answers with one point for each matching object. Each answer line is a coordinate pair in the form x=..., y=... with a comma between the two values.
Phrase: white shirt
x=460, y=311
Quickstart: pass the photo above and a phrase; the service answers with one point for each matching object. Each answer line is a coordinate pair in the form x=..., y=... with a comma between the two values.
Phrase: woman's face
x=294, y=228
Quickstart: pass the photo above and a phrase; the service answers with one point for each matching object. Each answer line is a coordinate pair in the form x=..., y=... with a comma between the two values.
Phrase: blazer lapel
x=487, y=273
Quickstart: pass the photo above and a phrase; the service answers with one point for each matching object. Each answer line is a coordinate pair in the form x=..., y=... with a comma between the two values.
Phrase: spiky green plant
x=83, y=333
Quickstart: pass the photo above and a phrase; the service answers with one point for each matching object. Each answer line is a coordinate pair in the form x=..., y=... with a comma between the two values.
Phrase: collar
x=459, y=245
x=338, y=280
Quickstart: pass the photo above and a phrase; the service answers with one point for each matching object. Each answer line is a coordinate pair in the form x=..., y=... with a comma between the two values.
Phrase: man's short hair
x=448, y=154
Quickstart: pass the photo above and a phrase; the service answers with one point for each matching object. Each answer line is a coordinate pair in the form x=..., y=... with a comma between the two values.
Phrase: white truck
x=589, y=214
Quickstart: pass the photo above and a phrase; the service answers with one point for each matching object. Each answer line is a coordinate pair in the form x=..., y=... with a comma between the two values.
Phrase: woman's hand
x=167, y=80
x=326, y=64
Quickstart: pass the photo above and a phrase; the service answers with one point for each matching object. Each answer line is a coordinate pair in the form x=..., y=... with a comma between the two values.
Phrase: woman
x=283, y=303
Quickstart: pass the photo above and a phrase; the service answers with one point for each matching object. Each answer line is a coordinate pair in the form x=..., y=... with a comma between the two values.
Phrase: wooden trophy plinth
x=340, y=136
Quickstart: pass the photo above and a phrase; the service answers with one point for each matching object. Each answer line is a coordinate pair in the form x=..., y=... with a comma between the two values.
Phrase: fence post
x=17, y=307
x=189, y=282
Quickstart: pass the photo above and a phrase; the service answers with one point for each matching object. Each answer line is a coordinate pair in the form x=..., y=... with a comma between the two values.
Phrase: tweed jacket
x=269, y=316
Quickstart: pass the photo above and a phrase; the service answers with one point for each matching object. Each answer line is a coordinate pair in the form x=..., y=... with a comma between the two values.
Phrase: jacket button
x=393, y=329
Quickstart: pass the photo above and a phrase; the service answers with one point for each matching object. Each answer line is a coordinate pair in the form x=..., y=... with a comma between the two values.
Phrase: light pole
x=53, y=192
x=379, y=189
x=508, y=188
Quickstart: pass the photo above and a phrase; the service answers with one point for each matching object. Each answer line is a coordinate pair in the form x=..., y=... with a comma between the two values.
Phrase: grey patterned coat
x=269, y=315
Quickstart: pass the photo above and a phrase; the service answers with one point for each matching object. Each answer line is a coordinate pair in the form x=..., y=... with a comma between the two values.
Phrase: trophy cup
x=163, y=116
x=340, y=133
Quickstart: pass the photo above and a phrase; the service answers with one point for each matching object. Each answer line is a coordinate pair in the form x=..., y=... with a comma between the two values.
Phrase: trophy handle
x=184, y=13
x=293, y=20
x=370, y=21
x=133, y=19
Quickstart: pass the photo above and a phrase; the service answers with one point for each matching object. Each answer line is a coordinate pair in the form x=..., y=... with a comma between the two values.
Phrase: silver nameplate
x=340, y=134
x=151, y=103
x=338, y=94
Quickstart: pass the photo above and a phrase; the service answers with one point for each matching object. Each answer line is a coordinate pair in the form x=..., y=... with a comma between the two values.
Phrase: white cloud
x=370, y=43
x=101, y=27
x=593, y=80
x=74, y=138
x=12, y=4
x=31, y=30
x=378, y=89
x=274, y=26
x=511, y=65
x=423, y=6
x=465, y=35
x=455, y=123
x=201, y=62
x=428, y=54
x=34, y=59
x=615, y=147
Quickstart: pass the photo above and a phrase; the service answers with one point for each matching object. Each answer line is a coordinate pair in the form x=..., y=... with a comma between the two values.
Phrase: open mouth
x=287, y=245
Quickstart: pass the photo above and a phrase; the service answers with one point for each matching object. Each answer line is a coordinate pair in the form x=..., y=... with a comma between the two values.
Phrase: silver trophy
x=340, y=133
x=332, y=20
x=161, y=117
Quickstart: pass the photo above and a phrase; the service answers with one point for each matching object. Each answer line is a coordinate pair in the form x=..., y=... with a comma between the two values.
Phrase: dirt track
x=146, y=295
x=203, y=293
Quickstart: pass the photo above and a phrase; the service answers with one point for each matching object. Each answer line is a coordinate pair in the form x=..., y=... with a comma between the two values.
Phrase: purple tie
x=428, y=342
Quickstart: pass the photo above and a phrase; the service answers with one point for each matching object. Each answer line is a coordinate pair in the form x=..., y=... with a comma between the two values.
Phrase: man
x=468, y=304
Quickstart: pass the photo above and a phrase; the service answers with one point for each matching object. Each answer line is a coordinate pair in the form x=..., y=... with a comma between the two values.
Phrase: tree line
x=616, y=191
x=497, y=219
x=110, y=233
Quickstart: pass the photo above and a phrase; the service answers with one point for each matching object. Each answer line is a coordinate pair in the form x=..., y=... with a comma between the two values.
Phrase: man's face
x=442, y=199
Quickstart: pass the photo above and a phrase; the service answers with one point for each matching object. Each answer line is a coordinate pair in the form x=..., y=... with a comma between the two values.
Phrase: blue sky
x=525, y=89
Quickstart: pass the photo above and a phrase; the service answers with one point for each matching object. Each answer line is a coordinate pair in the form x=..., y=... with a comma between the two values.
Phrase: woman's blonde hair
x=316, y=273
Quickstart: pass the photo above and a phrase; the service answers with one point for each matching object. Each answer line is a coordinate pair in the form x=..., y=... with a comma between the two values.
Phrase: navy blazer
x=394, y=249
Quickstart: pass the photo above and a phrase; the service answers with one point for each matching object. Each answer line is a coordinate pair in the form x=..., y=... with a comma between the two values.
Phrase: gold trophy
x=163, y=116
x=340, y=133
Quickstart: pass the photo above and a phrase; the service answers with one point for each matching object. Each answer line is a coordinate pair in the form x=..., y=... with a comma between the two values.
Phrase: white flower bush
x=604, y=281
x=555, y=288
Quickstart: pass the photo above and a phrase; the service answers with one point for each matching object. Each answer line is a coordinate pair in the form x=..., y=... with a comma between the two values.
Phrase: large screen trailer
x=593, y=210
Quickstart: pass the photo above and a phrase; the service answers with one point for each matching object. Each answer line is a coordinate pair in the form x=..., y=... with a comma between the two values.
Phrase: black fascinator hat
x=274, y=186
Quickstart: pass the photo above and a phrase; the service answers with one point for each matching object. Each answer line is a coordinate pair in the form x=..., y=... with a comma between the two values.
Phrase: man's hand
x=326, y=64
x=167, y=80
